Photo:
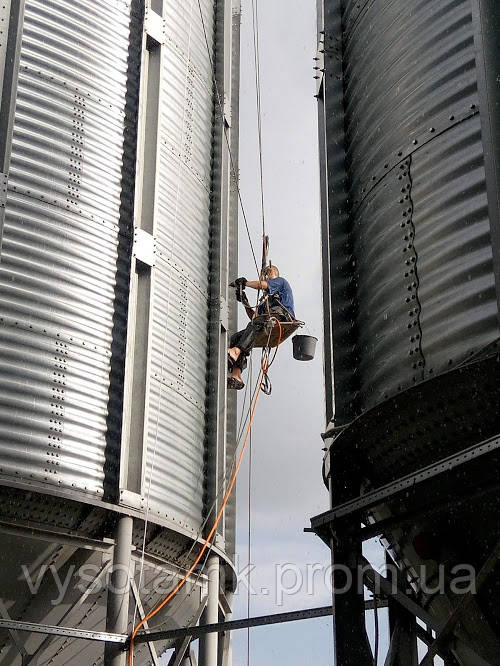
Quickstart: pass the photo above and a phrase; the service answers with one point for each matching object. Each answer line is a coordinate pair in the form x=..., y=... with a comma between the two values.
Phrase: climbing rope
x=263, y=381
x=255, y=29
x=249, y=553
x=234, y=172
x=210, y=535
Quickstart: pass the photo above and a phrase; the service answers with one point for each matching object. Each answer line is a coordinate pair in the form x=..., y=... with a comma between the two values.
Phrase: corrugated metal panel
x=455, y=269
x=59, y=256
x=180, y=309
x=381, y=293
x=422, y=265
x=409, y=72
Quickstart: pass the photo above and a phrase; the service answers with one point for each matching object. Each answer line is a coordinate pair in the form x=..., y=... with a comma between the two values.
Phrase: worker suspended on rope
x=276, y=303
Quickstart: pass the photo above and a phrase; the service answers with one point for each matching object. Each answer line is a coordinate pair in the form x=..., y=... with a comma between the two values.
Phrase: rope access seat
x=274, y=334
x=264, y=339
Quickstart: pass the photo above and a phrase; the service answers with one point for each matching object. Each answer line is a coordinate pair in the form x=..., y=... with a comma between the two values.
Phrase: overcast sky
x=287, y=488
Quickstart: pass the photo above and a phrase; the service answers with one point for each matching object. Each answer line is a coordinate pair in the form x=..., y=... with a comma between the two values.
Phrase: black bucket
x=304, y=347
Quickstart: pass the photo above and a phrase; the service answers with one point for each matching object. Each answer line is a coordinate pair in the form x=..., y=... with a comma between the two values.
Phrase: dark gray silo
x=409, y=96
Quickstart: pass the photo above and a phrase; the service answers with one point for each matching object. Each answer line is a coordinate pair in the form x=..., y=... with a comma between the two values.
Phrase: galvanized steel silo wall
x=414, y=274
x=58, y=271
x=120, y=224
x=68, y=243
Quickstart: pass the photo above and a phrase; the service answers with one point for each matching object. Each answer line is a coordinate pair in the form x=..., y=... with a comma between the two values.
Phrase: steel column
x=119, y=591
x=351, y=646
x=143, y=276
x=209, y=645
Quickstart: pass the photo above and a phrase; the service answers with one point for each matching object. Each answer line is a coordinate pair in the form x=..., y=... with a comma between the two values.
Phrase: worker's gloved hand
x=240, y=282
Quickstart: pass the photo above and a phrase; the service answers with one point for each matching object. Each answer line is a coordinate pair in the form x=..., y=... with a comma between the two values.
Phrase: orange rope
x=181, y=583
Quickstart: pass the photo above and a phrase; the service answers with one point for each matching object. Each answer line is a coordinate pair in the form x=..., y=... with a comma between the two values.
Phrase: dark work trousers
x=244, y=339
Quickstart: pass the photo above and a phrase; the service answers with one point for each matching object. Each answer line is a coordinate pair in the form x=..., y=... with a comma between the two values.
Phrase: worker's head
x=271, y=272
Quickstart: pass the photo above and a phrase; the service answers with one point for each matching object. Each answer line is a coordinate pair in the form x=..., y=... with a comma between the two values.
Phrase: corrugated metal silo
x=111, y=325
x=409, y=117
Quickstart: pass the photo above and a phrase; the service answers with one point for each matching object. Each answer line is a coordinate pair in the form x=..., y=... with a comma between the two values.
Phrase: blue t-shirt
x=281, y=287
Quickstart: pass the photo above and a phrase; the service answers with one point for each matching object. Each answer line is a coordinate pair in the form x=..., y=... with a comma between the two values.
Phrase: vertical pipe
x=209, y=647
x=118, y=592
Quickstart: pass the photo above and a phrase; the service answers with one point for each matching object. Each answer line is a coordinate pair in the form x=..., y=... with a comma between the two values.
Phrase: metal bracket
x=144, y=249
x=3, y=189
x=227, y=111
x=153, y=24
x=223, y=313
x=319, y=64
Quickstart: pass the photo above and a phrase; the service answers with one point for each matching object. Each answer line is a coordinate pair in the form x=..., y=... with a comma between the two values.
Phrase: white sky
x=287, y=488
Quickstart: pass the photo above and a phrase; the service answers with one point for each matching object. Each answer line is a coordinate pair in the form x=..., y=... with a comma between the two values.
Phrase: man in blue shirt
x=276, y=302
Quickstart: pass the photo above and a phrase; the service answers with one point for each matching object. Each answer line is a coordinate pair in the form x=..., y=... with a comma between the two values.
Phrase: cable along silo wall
x=420, y=234
x=60, y=245
x=174, y=481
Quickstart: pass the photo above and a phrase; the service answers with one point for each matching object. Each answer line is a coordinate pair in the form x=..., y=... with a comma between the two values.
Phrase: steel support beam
x=182, y=648
x=233, y=625
x=391, y=490
x=53, y=536
x=80, y=601
x=225, y=642
x=381, y=585
x=403, y=628
x=119, y=591
x=408, y=518
x=351, y=646
x=192, y=632
x=14, y=635
x=55, y=630
x=142, y=615
x=446, y=632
